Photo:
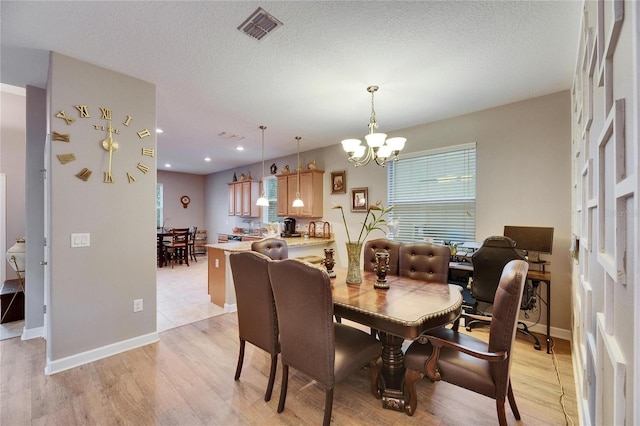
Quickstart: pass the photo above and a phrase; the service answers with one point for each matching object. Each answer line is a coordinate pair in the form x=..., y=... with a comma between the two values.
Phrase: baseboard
x=230, y=308
x=559, y=333
x=32, y=333
x=56, y=366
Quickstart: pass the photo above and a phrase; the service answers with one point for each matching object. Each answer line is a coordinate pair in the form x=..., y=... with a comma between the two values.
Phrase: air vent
x=259, y=24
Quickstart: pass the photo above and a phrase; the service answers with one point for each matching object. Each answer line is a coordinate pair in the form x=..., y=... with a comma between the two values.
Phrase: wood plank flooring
x=187, y=379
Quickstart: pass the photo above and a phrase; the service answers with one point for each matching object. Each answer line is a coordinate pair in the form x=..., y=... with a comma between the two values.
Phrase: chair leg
x=502, y=418
x=272, y=376
x=338, y=319
x=240, y=359
x=410, y=379
x=283, y=387
x=328, y=407
x=512, y=402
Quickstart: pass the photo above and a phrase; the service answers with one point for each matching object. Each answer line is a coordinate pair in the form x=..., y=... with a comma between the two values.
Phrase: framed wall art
x=338, y=182
x=359, y=200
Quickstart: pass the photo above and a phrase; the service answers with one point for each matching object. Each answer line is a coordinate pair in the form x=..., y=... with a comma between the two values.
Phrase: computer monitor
x=533, y=239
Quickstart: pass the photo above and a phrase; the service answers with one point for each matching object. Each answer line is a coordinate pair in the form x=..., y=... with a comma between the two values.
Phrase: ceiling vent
x=259, y=24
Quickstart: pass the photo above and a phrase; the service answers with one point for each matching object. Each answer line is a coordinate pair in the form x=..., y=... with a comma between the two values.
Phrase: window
x=270, y=214
x=159, y=208
x=434, y=195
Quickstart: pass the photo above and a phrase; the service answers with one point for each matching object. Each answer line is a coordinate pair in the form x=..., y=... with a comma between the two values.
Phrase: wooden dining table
x=405, y=310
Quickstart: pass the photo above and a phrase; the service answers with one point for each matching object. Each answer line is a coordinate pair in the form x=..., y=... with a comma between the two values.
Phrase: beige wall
x=175, y=185
x=523, y=172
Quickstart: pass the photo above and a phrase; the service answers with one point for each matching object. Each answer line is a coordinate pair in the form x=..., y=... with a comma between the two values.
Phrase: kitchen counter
x=220, y=279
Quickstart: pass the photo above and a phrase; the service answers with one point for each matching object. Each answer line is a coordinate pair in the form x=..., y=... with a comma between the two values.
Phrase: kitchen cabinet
x=242, y=198
x=311, y=193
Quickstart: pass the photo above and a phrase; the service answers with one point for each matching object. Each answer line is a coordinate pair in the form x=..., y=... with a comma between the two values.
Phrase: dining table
x=404, y=311
x=161, y=235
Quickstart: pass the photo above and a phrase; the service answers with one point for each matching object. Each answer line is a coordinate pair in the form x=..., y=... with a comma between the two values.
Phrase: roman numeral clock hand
x=110, y=145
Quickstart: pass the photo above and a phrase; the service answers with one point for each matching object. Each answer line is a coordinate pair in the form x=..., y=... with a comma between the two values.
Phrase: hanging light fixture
x=298, y=201
x=262, y=201
x=380, y=149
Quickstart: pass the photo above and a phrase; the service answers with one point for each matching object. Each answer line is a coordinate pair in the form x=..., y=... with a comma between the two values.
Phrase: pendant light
x=262, y=201
x=298, y=201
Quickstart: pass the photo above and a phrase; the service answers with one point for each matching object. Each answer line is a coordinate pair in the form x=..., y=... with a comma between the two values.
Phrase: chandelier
x=378, y=148
x=262, y=201
x=298, y=201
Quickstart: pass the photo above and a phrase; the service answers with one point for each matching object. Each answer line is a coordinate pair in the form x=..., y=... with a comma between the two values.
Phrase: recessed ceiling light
x=168, y=166
x=159, y=131
x=239, y=148
x=207, y=159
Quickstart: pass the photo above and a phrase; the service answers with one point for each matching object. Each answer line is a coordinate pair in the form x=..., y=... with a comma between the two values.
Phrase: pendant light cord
x=263, y=128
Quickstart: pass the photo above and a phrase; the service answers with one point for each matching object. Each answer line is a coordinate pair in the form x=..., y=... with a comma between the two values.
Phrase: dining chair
x=462, y=360
x=257, y=318
x=192, y=243
x=425, y=261
x=310, y=341
x=178, y=248
x=392, y=247
x=274, y=248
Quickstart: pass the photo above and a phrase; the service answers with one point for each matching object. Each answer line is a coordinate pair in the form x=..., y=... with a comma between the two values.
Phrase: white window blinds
x=434, y=195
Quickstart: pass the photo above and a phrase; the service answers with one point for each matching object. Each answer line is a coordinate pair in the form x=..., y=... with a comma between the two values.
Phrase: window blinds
x=434, y=195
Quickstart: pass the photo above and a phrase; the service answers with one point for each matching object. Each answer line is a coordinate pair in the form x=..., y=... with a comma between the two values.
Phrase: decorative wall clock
x=185, y=200
x=110, y=137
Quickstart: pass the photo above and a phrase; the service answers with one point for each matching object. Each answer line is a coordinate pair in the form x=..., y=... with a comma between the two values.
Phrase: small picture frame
x=338, y=182
x=359, y=200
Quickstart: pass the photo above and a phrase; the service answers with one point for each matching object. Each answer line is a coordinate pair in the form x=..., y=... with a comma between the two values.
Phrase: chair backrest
x=192, y=233
x=382, y=244
x=257, y=318
x=488, y=263
x=425, y=261
x=506, y=307
x=305, y=314
x=180, y=235
x=275, y=248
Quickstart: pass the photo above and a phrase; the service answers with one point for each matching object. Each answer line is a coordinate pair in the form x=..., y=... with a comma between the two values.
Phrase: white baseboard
x=230, y=308
x=32, y=333
x=77, y=360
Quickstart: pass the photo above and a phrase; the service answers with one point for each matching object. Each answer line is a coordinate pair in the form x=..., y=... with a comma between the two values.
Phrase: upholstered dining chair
x=425, y=261
x=274, y=248
x=371, y=247
x=178, y=248
x=462, y=360
x=257, y=318
x=309, y=339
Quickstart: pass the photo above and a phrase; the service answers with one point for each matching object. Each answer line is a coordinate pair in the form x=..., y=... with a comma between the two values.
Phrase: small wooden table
x=407, y=309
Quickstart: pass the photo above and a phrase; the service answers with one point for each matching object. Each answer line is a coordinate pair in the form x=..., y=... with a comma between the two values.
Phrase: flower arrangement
x=377, y=214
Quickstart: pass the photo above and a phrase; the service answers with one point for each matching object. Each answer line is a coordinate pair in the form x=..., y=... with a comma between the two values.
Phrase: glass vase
x=353, y=267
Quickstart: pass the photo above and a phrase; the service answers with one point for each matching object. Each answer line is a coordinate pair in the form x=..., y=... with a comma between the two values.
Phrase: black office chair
x=488, y=263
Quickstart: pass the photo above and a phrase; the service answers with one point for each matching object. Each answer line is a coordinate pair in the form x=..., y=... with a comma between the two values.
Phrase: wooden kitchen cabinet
x=311, y=193
x=242, y=198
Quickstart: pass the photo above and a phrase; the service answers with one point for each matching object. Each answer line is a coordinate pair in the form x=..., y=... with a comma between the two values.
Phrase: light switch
x=80, y=240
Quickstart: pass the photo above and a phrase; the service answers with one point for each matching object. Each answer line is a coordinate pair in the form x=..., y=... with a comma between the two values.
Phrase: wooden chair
x=462, y=360
x=257, y=318
x=178, y=248
x=192, y=243
x=310, y=341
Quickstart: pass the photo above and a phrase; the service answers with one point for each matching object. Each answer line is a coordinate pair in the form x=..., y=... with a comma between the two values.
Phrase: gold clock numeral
x=65, y=117
x=130, y=177
x=148, y=151
x=144, y=133
x=144, y=169
x=128, y=120
x=108, y=177
x=66, y=158
x=84, y=174
x=106, y=113
x=60, y=137
x=83, y=110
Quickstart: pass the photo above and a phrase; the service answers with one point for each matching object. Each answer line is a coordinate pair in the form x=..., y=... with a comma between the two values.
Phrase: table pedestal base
x=391, y=385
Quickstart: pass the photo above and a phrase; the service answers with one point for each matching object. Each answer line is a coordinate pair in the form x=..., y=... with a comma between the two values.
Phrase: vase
x=353, y=267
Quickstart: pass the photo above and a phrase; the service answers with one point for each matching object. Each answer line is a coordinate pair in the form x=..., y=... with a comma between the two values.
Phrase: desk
x=404, y=311
x=540, y=276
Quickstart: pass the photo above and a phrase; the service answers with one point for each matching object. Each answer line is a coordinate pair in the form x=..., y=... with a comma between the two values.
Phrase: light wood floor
x=187, y=379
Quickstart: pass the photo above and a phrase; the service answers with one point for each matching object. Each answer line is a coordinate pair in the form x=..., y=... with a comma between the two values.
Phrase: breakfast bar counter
x=220, y=280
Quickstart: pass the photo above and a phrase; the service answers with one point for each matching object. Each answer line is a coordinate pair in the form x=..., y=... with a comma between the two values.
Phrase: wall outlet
x=137, y=305
x=217, y=263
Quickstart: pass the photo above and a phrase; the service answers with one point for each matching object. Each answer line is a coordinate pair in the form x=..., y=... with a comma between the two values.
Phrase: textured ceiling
x=431, y=59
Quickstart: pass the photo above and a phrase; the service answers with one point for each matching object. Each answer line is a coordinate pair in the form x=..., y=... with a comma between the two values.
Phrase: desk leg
x=391, y=388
